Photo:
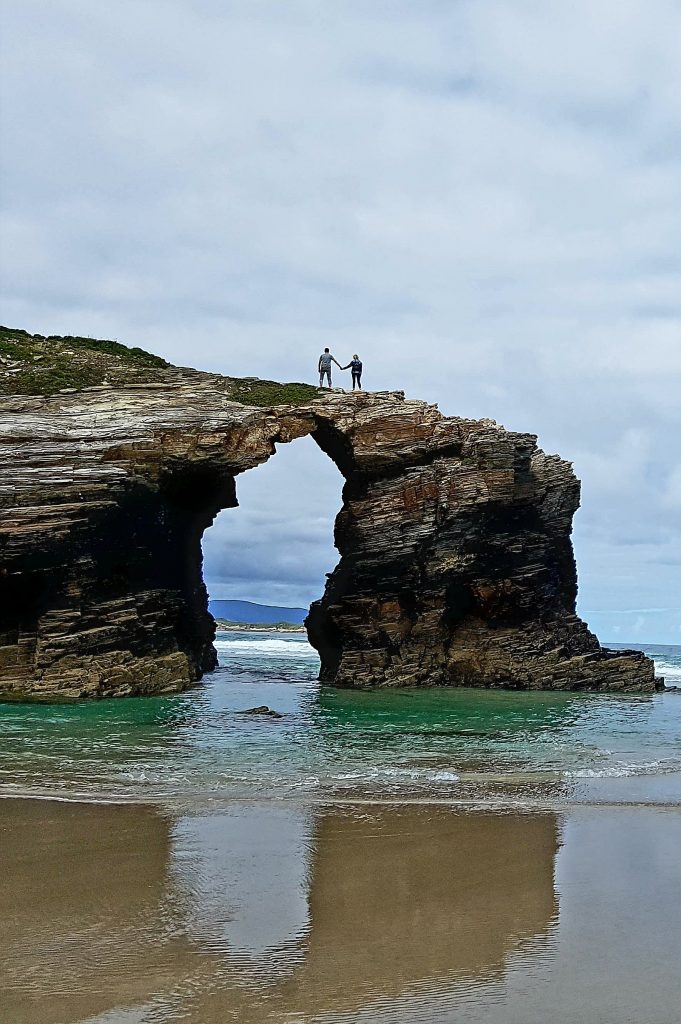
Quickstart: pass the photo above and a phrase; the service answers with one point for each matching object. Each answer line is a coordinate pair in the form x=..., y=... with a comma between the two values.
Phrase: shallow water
x=437, y=856
x=468, y=746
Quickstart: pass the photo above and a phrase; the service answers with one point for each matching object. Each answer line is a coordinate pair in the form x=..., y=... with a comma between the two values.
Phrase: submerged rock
x=456, y=563
x=262, y=710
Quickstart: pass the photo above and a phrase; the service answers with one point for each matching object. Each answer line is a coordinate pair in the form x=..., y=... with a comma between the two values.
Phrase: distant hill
x=248, y=611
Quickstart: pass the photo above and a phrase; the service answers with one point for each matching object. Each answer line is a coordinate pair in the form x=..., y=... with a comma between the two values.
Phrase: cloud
x=481, y=199
x=672, y=492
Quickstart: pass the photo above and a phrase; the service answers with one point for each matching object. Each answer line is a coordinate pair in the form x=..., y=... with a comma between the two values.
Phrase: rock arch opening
x=275, y=546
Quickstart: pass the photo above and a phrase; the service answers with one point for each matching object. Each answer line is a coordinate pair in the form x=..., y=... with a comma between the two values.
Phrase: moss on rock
x=252, y=391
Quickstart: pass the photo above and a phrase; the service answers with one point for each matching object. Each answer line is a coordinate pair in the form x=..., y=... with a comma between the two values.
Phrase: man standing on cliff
x=325, y=361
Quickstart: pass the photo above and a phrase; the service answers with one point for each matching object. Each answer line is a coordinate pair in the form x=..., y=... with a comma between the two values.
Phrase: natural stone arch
x=456, y=565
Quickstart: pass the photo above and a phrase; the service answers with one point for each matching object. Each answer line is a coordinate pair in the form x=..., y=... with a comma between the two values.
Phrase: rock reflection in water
x=421, y=895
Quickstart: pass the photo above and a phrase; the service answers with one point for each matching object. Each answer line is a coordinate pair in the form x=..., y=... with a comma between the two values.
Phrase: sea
x=396, y=857
x=458, y=746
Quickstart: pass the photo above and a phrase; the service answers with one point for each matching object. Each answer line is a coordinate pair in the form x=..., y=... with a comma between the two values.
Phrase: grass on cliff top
x=31, y=364
x=252, y=391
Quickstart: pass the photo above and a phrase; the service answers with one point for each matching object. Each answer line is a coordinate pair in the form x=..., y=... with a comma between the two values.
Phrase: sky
x=481, y=198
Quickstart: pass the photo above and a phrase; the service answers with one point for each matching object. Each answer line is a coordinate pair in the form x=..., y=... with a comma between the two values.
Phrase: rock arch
x=456, y=564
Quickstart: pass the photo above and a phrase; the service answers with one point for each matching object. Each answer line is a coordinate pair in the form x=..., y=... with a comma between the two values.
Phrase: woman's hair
x=355, y=356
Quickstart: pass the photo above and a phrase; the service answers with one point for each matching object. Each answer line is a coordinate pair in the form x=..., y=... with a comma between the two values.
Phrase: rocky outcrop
x=456, y=564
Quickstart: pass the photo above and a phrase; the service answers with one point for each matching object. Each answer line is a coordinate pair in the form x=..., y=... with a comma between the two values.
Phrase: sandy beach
x=265, y=912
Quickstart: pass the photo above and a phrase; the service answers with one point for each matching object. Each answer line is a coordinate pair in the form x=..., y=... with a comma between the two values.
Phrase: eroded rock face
x=456, y=563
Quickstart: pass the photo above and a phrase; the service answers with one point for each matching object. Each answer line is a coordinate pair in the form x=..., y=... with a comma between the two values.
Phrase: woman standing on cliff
x=355, y=365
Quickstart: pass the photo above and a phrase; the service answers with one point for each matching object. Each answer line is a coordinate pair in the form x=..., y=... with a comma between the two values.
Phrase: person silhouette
x=324, y=367
x=355, y=365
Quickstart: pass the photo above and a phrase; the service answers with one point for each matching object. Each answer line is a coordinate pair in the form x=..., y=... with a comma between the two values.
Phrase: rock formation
x=456, y=563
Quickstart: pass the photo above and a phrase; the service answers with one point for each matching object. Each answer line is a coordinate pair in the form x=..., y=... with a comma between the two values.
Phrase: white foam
x=621, y=771
x=446, y=777
x=277, y=647
x=378, y=773
x=671, y=673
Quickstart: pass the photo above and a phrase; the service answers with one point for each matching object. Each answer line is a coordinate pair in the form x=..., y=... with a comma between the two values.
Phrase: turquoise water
x=460, y=746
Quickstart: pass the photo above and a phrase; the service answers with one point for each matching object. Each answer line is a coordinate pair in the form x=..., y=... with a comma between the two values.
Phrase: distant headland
x=251, y=613
x=233, y=616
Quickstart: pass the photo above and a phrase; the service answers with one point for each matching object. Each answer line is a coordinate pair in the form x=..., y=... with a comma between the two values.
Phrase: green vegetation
x=252, y=391
x=37, y=365
x=31, y=364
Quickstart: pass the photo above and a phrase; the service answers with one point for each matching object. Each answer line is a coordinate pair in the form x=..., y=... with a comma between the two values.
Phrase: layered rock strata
x=456, y=563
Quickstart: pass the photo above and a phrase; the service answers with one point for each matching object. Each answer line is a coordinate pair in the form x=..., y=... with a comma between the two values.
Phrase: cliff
x=456, y=564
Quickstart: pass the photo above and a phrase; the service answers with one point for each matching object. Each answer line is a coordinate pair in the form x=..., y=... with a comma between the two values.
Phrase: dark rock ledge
x=456, y=563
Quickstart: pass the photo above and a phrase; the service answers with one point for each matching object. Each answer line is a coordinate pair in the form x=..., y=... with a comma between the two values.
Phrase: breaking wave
x=670, y=672
x=270, y=647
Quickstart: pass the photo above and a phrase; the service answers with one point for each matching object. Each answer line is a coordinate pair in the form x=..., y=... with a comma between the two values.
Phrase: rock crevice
x=456, y=564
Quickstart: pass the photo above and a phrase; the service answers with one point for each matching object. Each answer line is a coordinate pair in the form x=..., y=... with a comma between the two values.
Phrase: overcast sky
x=481, y=197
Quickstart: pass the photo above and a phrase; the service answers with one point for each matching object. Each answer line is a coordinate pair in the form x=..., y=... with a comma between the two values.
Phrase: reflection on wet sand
x=259, y=912
x=244, y=875
x=415, y=895
x=84, y=927
x=409, y=897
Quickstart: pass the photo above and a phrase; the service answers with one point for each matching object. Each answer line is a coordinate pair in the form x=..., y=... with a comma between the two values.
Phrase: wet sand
x=124, y=914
